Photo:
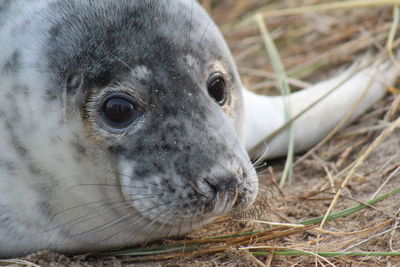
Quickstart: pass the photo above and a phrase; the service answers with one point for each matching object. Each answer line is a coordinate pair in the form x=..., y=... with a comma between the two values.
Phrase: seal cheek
x=126, y=169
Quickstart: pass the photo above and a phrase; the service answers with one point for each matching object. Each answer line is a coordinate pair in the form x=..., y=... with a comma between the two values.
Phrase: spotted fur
x=71, y=183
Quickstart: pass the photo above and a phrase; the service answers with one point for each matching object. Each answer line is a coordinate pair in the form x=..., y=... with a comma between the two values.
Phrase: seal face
x=121, y=123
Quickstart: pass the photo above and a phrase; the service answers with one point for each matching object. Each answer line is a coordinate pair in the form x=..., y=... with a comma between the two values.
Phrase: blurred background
x=312, y=44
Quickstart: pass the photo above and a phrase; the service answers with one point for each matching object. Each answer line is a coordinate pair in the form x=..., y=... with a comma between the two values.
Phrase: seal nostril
x=213, y=189
x=206, y=188
x=232, y=184
x=220, y=186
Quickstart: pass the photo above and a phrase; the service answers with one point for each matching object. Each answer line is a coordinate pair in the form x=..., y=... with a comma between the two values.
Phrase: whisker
x=171, y=226
x=127, y=217
x=262, y=165
x=105, y=204
x=85, y=204
x=203, y=35
x=189, y=28
x=84, y=218
x=258, y=161
x=139, y=219
x=123, y=62
x=132, y=177
x=105, y=225
x=163, y=225
x=107, y=185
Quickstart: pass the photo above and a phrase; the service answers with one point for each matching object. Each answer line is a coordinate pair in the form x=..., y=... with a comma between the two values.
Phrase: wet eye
x=119, y=111
x=216, y=88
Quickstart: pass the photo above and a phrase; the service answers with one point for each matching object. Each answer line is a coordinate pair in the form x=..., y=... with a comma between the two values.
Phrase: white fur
x=266, y=114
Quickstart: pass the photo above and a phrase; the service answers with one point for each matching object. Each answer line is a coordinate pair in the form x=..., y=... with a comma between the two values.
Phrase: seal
x=123, y=122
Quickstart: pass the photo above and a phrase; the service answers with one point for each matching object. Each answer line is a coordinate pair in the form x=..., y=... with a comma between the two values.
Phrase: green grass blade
x=285, y=91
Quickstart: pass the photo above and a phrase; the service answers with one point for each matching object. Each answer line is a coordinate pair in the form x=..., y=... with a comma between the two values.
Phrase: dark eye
x=216, y=88
x=119, y=111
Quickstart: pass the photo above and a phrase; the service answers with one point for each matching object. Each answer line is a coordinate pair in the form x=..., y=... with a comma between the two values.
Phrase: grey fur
x=71, y=183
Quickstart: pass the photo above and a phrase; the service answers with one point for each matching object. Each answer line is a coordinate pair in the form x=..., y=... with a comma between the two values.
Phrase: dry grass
x=350, y=169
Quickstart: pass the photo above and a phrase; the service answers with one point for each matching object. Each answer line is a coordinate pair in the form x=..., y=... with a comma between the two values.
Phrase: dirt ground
x=313, y=46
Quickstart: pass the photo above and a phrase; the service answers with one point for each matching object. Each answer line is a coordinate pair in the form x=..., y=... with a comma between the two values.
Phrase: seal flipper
x=266, y=114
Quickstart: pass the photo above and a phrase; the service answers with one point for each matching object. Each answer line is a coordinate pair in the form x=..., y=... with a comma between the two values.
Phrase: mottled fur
x=69, y=182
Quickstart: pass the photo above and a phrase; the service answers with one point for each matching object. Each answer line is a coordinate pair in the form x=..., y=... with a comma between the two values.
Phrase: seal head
x=126, y=124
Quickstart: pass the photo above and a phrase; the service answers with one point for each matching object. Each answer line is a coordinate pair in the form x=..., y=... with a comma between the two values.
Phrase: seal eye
x=216, y=88
x=119, y=111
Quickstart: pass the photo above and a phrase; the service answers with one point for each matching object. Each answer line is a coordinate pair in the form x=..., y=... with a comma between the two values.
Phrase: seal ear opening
x=73, y=82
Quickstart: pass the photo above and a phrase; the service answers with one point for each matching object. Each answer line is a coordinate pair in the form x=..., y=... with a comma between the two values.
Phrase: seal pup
x=122, y=122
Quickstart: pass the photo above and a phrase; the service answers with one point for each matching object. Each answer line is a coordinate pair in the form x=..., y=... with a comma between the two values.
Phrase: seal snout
x=221, y=192
x=210, y=188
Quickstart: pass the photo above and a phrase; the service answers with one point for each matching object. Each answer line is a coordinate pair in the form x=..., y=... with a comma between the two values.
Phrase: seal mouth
x=225, y=202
